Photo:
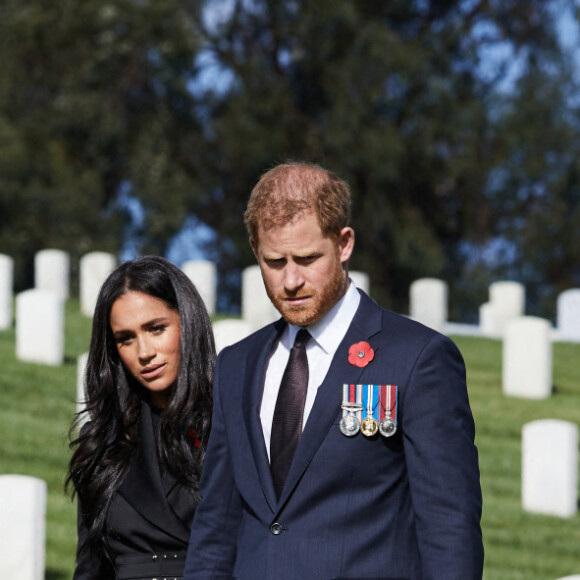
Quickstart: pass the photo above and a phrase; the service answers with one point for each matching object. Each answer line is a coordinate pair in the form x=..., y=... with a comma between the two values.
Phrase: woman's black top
x=149, y=518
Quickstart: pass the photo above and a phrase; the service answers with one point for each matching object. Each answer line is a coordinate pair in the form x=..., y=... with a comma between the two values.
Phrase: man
x=381, y=479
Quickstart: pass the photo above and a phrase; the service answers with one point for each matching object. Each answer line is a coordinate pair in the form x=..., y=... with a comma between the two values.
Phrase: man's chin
x=299, y=316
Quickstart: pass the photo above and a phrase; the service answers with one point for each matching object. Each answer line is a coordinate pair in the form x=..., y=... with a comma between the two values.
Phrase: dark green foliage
x=184, y=103
x=93, y=101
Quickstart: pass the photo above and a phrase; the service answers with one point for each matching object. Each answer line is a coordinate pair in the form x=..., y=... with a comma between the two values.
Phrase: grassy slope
x=37, y=404
x=519, y=545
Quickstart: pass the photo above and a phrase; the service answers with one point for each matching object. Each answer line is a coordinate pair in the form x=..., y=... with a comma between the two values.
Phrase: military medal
x=380, y=405
x=387, y=410
x=369, y=425
x=349, y=425
x=387, y=427
x=351, y=409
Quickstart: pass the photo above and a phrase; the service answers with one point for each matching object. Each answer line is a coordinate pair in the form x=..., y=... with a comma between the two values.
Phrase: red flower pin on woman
x=193, y=434
x=360, y=354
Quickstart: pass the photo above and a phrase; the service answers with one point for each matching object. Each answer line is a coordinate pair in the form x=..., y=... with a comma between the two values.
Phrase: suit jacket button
x=276, y=528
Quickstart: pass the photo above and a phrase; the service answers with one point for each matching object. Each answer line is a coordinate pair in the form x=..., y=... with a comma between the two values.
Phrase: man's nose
x=293, y=277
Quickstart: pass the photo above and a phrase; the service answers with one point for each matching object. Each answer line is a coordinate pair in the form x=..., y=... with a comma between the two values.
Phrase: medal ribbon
x=370, y=400
x=388, y=402
x=351, y=394
x=378, y=401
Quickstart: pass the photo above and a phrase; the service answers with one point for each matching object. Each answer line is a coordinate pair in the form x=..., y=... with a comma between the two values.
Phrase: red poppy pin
x=360, y=354
x=193, y=434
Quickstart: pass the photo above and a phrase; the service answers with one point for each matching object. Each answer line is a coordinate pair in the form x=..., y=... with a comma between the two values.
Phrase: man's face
x=303, y=270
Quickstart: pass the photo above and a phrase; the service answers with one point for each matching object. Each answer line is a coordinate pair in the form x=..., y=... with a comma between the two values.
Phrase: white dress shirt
x=327, y=334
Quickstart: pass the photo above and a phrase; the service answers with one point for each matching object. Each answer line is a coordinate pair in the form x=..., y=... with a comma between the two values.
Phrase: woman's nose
x=146, y=350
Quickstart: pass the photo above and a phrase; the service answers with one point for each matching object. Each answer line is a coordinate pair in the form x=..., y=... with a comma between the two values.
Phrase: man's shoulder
x=395, y=327
x=391, y=321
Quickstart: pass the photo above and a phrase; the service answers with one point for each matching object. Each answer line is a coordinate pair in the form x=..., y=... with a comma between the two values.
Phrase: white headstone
x=361, y=280
x=40, y=327
x=428, y=302
x=230, y=330
x=574, y=577
x=506, y=301
x=81, y=367
x=203, y=274
x=487, y=320
x=257, y=309
x=550, y=467
x=6, y=285
x=527, y=358
x=22, y=527
x=51, y=272
x=95, y=267
x=509, y=297
x=569, y=315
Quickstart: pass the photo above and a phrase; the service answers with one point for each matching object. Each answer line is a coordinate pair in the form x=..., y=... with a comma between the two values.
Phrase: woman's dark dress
x=149, y=519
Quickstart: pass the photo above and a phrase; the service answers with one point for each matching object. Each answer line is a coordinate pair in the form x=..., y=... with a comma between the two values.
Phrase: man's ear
x=254, y=245
x=345, y=243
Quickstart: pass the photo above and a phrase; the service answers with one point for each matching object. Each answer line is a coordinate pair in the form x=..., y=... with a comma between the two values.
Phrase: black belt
x=161, y=566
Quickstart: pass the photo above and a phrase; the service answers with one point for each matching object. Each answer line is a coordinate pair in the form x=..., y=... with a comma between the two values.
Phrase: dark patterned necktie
x=289, y=411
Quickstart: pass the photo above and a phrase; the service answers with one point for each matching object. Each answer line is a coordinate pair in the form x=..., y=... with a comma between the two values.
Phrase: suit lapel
x=256, y=364
x=366, y=323
x=142, y=488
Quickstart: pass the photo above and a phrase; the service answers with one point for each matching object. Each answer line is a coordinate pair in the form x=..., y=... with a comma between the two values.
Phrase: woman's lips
x=152, y=371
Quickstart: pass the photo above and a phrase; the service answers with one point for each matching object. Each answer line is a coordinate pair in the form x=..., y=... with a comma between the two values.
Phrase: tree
x=94, y=102
x=398, y=97
x=537, y=187
x=392, y=96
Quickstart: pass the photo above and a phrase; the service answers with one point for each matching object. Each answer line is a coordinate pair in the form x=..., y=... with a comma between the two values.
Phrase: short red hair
x=291, y=189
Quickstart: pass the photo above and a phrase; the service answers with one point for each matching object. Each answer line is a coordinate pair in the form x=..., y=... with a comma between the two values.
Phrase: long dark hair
x=105, y=445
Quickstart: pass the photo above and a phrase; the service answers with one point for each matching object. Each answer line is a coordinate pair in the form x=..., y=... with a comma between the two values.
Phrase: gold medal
x=369, y=426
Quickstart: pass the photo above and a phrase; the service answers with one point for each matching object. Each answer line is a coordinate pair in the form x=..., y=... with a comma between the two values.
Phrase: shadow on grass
x=56, y=575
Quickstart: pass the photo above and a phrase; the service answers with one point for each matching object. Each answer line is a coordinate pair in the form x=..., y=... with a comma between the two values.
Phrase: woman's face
x=147, y=334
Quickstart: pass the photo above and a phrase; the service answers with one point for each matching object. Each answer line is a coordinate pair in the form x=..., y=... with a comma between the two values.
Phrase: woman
x=137, y=461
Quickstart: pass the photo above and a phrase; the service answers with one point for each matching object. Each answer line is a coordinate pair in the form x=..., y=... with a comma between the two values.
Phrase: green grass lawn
x=37, y=403
x=519, y=545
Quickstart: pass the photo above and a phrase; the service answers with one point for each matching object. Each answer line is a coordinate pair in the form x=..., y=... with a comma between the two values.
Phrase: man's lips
x=296, y=300
x=152, y=371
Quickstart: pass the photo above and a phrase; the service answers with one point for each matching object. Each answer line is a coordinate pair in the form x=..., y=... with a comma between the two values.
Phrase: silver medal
x=387, y=427
x=349, y=425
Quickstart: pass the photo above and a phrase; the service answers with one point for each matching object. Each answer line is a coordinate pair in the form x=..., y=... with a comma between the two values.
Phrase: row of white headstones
x=40, y=310
x=549, y=446
x=428, y=300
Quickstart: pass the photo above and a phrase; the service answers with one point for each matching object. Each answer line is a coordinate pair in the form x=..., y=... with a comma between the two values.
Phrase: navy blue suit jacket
x=405, y=507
